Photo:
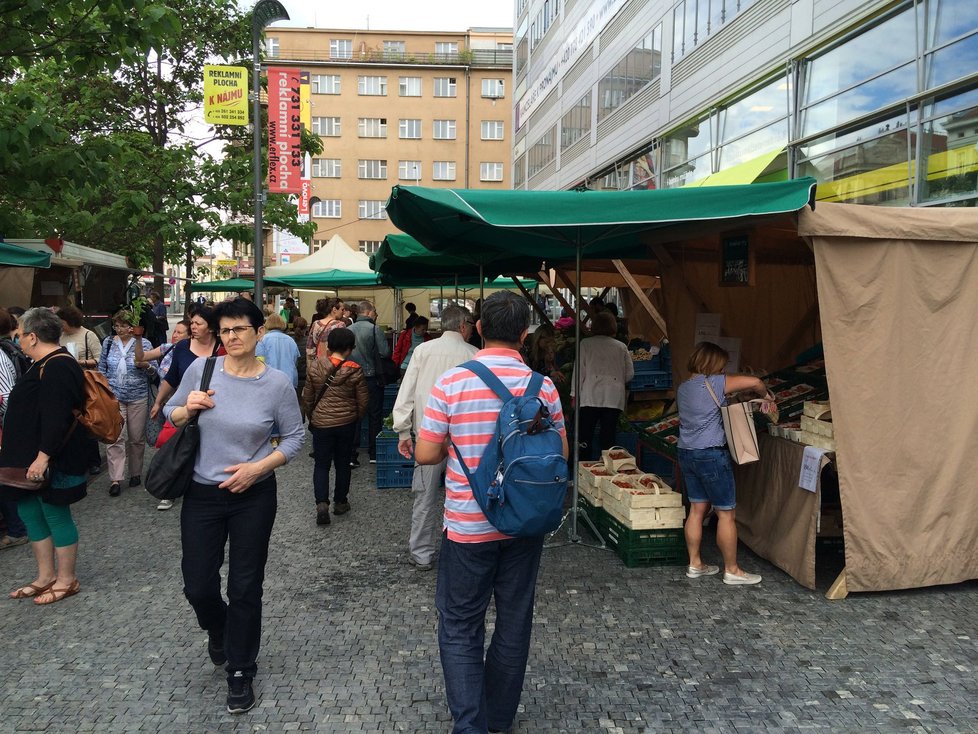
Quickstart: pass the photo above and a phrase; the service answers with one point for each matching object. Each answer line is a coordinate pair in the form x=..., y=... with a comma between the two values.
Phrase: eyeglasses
x=239, y=331
x=121, y=326
x=470, y=323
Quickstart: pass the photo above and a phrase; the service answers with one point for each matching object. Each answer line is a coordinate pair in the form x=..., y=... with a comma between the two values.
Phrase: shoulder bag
x=172, y=469
x=386, y=371
x=738, y=425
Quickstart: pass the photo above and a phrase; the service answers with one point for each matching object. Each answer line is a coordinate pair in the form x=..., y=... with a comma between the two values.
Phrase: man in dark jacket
x=371, y=344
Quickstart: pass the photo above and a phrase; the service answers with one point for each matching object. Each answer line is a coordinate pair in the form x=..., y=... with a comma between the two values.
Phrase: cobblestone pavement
x=349, y=643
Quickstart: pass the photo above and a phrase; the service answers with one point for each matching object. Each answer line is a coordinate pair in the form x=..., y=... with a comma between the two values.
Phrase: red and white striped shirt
x=464, y=407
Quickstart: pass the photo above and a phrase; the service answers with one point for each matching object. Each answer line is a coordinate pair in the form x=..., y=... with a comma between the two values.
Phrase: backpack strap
x=492, y=382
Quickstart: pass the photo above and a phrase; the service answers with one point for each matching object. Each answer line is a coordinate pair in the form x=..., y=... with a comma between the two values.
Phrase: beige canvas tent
x=894, y=303
x=334, y=255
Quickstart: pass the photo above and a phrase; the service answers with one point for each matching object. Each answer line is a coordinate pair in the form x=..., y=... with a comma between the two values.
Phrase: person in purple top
x=705, y=462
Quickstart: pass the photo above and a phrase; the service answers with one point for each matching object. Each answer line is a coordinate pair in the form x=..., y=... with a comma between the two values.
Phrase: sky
x=401, y=15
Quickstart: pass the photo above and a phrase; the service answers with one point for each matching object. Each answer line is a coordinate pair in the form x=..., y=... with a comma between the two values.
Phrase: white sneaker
x=746, y=579
x=694, y=573
x=165, y=505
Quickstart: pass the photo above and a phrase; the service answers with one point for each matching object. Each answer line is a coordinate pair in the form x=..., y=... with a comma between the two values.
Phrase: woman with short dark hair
x=232, y=499
x=332, y=318
x=334, y=398
x=40, y=432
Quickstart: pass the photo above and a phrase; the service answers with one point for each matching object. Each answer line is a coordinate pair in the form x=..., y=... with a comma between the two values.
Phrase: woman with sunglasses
x=232, y=499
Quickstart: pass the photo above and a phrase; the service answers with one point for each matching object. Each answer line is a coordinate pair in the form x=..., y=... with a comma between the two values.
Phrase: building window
x=446, y=48
x=271, y=48
x=519, y=172
x=694, y=21
x=443, y=129
x=369, y=247
x=639, y=67
x=542, y=152
x=317, y=245
x=409, y=129
x=326, y=168
x=394, y=49
x=492, y=129
x=493, y=88
x=490, y=171
x=325, y=83
x=409, y=170
x=576, y=122
x=340, y=48
x=372, y=86
x=372, y=127
x=328, y=209
x=409, y=86
x=443, y=170
x=372, y=169
x=327, y=127
x=372, y=210
x=445, y=86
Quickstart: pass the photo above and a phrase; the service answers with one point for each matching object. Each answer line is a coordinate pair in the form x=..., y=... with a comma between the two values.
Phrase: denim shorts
x=708, y=476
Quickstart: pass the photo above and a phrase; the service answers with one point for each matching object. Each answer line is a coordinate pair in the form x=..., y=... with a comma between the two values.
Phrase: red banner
x=304, y=195
x=284, y=124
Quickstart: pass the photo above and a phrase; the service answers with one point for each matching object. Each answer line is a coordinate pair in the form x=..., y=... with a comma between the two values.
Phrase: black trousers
x=606, y=420
x=374, y=416
x=332, y=446
x=211, y=518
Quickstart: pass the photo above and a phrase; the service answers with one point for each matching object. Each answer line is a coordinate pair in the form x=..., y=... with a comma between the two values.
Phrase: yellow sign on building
x=225, y=95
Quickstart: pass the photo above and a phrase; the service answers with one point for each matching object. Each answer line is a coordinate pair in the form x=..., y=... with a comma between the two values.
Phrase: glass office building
x=876, y=100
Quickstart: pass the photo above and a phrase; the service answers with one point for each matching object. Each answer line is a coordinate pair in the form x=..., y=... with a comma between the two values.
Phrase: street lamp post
x=265, y=13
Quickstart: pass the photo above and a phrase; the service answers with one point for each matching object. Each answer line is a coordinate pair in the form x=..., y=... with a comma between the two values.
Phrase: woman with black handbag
x=334, y=397
x=232, y=497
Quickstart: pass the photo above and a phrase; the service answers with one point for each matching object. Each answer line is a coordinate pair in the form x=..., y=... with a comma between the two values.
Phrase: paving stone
x=350, y=639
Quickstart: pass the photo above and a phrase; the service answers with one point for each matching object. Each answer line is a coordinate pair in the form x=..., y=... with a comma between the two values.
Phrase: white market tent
x=334, y=255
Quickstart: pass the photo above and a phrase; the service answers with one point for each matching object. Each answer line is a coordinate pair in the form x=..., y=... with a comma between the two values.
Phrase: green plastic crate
x=658, y=547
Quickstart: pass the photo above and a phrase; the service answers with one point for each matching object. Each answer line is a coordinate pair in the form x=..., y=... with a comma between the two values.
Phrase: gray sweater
x=238, y=429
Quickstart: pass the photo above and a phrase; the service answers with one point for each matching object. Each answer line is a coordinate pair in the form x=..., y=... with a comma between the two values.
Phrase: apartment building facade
x=877, y=99
x=399, y=107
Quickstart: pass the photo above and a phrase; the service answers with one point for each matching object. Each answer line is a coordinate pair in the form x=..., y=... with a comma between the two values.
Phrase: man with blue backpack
x=500, y=425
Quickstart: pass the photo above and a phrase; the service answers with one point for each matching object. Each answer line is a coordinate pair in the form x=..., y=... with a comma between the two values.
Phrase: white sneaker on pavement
x=744, y=579
x=705, y=570
x=165, y=505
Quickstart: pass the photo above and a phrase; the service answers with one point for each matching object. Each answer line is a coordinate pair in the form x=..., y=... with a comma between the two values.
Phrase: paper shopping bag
x=738, y=425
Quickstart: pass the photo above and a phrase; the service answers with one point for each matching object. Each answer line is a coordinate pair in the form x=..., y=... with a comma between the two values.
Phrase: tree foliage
x=102, y=144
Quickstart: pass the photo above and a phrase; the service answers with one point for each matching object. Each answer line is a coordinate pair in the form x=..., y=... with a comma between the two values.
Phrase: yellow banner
x=225, y=95
x=305, y=100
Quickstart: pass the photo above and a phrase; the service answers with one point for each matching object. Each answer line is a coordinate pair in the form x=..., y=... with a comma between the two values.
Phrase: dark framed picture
x=736, y=264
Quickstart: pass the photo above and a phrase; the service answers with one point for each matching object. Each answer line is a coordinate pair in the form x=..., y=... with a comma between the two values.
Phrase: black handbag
x=172, y=469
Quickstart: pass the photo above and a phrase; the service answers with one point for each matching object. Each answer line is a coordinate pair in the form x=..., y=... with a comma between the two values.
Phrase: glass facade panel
x=864, y=99
x=949, y=19
x=686, y=143
x=949, y=150
x=952, y=62
x=765, y=140
x=542, y=152
x=852, y=135
x=873, y=172
x=758, y=108
x=688, y=172
x=882, y=47
x=576, y=122
x=640, y=66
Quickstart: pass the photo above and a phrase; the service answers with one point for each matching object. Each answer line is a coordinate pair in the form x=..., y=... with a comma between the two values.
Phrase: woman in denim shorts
x=705, y=463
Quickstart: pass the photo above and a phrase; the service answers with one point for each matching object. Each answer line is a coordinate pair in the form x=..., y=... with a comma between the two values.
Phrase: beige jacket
x=429, y=361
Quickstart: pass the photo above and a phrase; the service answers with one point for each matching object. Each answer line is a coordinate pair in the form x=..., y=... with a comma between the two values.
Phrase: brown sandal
x=23, y=593
x=59, y=594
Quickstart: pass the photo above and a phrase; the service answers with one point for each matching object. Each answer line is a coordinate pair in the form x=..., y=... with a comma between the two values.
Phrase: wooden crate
x=643, y=492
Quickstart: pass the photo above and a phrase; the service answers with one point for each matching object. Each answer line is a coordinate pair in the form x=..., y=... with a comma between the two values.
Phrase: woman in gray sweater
x=232, y=498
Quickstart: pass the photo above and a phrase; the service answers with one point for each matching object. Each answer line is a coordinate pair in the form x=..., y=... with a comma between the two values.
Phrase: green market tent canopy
x=23, y=257
x=328, y=279
x=228, y=286
x=541, y=226
x=402, y=261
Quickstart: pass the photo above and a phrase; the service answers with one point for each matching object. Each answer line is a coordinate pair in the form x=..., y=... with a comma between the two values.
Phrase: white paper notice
x=707, y=327
x=811, y=466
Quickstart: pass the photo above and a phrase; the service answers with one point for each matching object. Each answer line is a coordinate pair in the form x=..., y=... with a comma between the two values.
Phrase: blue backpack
x=521, y=480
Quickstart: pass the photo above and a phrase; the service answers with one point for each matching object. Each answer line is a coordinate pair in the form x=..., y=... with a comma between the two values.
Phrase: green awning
x=402, y=261
x=328, y=279
x=23, y=257
x=547, y=226
x=746, y=172
x=232, y=285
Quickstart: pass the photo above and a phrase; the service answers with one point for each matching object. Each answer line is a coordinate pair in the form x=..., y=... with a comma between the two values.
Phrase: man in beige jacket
x=427, y=364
